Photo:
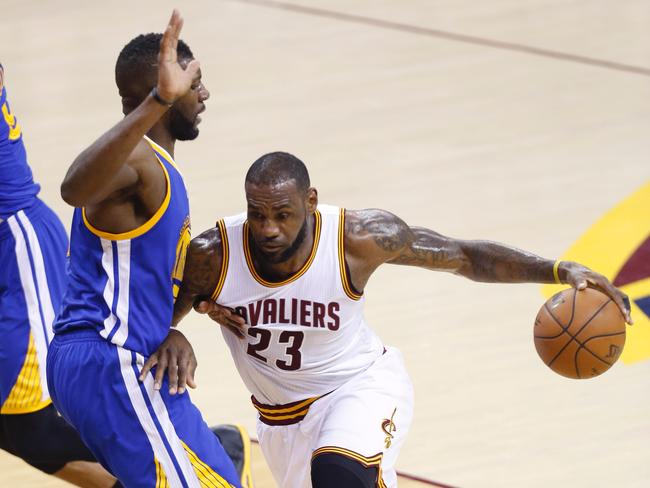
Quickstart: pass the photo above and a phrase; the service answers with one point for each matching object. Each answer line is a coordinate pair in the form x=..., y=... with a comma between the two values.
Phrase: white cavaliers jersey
x=306, y=336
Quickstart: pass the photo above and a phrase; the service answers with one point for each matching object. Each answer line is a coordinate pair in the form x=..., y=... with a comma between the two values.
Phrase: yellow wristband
x=556, y=275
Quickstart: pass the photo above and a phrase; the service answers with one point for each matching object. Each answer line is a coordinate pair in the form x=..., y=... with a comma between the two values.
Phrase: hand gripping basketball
x=581, y=277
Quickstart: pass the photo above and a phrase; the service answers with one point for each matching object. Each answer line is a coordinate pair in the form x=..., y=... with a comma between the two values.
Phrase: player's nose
x=204, y=94
x=270, y=230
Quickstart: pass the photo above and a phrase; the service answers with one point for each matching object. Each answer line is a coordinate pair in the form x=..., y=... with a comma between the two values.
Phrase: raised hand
x=581, y=277
x=173, y=80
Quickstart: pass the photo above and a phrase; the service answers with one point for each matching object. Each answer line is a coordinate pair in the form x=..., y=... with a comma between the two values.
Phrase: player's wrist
x=560, y=272
x=163, y=100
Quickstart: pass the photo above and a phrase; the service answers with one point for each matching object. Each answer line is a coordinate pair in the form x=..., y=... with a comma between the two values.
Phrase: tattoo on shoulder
x=388, y=231
x=203, y=263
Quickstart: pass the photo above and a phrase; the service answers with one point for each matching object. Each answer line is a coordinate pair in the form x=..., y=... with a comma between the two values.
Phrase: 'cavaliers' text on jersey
x=306, y=335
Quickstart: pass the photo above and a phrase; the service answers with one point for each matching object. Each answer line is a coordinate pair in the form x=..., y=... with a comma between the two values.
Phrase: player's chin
x=188, y=135
x=274, y=256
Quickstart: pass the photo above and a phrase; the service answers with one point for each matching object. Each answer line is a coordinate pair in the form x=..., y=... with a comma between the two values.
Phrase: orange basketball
x=579, y=334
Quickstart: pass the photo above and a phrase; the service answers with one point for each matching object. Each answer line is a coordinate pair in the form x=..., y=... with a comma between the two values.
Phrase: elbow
x=69, y=195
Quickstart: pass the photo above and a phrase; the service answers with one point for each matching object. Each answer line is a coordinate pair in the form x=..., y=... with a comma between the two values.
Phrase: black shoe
x=237, y=444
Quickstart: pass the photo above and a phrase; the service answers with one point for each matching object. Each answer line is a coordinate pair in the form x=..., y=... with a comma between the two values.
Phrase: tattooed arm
x=374, y=237
x=175, y=355
x=202, y=270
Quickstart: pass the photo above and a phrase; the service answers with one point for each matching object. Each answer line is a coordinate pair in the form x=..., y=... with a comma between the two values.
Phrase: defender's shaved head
x=276, y=168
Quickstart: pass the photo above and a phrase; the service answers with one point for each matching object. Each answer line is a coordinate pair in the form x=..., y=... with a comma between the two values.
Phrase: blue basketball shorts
x=33, y=247
x=146, y=438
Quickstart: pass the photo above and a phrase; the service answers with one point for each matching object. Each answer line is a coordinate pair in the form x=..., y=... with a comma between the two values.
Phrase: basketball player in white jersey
x=334, y=403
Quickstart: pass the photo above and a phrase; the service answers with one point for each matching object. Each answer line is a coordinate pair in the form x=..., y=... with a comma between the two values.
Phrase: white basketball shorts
x=366, y=419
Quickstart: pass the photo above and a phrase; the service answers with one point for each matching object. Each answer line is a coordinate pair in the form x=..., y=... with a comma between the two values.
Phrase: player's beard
x=181, y=128
x=292, y=249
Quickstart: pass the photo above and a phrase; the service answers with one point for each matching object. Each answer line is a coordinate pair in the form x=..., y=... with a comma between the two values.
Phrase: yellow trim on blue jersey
x=347, y=286
x=12, y=123
x=295, y=276
x=181, y=254
x=162, y=151
x=26, y=396
x=225, y=251
x=206, y=475
x=144, y=228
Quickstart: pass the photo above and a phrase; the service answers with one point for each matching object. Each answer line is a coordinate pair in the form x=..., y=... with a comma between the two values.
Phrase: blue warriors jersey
x=17, y=187
x=124, y=285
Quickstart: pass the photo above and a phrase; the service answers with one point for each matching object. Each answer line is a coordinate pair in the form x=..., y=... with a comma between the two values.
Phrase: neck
x=285, y=269
x=161, y=136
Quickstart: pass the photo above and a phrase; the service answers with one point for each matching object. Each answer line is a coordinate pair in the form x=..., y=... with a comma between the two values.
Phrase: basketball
x=579, y=334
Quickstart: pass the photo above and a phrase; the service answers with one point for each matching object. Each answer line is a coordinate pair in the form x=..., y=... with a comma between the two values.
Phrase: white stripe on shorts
x=109, y=289
x=36, y=325
x=147, y=423
x=122, y=309
x=41, y=278
x=123, y=280
x=168, y=428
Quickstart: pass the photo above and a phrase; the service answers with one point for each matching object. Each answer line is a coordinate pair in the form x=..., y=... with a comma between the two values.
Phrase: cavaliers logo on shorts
x=388, y=426
x=618, y=245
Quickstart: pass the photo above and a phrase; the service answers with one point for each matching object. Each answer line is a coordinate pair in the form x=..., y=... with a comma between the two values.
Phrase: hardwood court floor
x=521, y=121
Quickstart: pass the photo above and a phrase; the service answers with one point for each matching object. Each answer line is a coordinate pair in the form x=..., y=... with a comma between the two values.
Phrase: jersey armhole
x=348, y=287
x=224, y=260
x=141, y=229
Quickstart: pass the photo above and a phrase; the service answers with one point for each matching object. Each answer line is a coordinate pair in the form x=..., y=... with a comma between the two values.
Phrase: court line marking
x=451, y=36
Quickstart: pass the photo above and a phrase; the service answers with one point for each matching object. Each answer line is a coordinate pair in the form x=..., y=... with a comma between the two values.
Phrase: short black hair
x=138, y=60
x=278, y=167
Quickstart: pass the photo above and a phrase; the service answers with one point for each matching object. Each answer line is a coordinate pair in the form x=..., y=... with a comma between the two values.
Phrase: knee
x=329, y=470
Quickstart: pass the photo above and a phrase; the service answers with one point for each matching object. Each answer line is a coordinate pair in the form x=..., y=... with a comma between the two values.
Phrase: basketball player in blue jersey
x=129, y=236
x=334, y=403
x=33, y=246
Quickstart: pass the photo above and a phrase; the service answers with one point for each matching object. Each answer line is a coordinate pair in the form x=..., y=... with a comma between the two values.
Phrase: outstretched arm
x=109, y=164
x=374, y=237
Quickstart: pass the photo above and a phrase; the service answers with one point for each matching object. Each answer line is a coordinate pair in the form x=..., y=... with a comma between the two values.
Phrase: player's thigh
x=33, y=246
x=367, y=419
x=14, y=315
x=87, y=387
x=143, y=436
x=287, y=451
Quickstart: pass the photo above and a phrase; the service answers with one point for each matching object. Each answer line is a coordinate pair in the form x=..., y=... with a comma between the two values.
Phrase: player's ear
x=312, y=199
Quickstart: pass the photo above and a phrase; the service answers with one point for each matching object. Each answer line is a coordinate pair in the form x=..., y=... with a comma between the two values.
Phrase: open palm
x=173, y=80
